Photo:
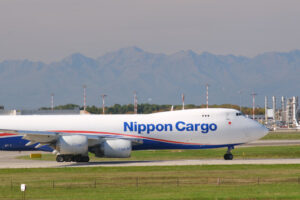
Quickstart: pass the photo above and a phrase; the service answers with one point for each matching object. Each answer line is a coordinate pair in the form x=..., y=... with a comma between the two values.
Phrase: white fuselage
x=184, y=127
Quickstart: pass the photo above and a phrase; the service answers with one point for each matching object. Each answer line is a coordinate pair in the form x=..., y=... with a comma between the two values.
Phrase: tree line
x=150, y=108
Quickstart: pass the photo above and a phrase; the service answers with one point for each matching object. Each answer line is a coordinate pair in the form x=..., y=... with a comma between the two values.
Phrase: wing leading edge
x=50, y=138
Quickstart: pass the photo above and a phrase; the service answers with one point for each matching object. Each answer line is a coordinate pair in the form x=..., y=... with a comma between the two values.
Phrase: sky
x=49, y=30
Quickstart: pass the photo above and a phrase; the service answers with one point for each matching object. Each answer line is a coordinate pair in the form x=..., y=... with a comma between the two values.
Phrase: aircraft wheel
x=85, y=159
x=68, y=158
x=228, y=156
x=77, y=158
x=60, y=158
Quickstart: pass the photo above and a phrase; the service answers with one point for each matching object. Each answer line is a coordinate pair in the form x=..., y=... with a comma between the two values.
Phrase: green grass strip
x=238, y=152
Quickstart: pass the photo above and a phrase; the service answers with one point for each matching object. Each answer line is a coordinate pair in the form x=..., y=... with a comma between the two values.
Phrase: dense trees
x=150, y=108
x=63, y=107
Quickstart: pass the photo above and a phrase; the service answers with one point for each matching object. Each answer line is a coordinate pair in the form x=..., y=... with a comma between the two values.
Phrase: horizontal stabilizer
x=39, y=145
x=30, y=143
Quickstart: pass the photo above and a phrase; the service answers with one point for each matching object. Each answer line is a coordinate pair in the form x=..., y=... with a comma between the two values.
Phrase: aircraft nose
x=262, y=130
x=259, y=130
x=254, y=130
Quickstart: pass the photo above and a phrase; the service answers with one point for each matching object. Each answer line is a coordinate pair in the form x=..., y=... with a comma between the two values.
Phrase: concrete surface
x=272, y=143
x=8, y=159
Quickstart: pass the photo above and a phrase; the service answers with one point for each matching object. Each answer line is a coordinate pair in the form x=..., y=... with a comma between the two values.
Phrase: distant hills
x=157, y=78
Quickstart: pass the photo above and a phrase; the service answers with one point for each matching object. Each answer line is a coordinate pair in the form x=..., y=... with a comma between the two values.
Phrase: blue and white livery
x=71, y=137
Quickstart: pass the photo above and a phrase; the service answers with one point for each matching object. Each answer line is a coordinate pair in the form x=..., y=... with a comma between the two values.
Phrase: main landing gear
x=228, y=155
x=72, y=158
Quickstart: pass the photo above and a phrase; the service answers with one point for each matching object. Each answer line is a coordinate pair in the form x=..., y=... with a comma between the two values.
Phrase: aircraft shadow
x=110, y=163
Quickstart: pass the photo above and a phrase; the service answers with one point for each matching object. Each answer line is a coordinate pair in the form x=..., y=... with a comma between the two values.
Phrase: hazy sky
x=49, y=30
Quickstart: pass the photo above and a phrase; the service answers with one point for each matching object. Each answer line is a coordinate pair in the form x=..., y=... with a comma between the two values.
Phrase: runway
x=8, y=160
x=188, y=162
x=271, y=143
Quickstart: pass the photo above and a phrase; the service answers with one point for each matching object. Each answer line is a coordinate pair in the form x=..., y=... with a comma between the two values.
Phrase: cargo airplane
x=72, y=137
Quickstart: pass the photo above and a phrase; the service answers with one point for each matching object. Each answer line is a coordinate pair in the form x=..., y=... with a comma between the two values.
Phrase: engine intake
x=72, y=144
x=114, y=148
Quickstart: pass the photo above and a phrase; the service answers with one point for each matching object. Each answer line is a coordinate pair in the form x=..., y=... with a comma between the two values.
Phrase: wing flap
x=41, y=138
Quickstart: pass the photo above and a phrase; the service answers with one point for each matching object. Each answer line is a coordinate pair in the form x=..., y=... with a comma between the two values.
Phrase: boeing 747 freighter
x=71, y=137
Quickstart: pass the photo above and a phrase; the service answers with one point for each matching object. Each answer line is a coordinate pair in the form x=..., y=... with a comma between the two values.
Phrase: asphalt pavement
x=8, y=159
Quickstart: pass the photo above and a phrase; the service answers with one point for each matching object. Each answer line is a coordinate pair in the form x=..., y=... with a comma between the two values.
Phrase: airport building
x=285, y=116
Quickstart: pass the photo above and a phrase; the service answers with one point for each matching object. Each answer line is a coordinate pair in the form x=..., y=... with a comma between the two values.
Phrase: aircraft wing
x=34, y=137
x=49, y=137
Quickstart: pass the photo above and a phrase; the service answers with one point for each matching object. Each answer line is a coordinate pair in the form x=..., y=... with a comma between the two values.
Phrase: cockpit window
x=239, y=114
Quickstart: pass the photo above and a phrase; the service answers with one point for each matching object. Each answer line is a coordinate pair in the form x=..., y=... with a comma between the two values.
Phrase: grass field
x=169, y=182
x=173, y=182
x=239, y=153
x=282, y=136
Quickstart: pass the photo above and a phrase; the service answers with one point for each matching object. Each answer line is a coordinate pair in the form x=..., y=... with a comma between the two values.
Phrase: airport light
x=207, y=85
x=135, y=101
x=103, y=103
x=253, y=104
x=182, y=98
x=295, y=101
x=283, y=108
x=240, y=93
x=274, y=110
x=84, y=97
x=266, y=110
x=52, y=101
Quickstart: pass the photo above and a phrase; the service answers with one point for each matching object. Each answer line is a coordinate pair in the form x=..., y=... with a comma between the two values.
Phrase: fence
x=144, y=181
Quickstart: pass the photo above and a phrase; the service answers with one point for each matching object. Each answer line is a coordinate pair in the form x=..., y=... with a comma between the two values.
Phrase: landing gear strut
x=228, y=155
x=70, y=158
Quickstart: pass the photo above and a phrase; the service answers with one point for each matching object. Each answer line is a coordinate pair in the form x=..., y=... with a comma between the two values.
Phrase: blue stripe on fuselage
x=16, y=143
x=151, y=144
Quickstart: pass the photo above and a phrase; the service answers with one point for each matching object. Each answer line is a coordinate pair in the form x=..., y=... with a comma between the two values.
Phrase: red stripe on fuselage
x=7, y=134
x=120, y=134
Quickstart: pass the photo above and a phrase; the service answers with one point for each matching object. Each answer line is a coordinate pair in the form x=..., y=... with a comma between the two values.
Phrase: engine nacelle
x=114, y=148
x=72, y=144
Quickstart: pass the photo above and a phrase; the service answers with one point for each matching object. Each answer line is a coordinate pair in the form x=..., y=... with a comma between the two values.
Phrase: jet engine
x=113, y=148
x=72, y=145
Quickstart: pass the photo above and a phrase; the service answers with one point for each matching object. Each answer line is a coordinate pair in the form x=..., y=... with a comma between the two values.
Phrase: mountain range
x=157, y=78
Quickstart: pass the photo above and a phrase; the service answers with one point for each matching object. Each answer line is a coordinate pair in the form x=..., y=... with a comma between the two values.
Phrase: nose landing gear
x=228, y=155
